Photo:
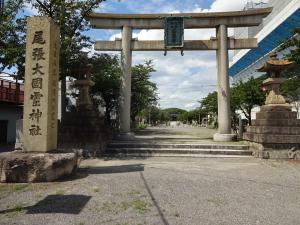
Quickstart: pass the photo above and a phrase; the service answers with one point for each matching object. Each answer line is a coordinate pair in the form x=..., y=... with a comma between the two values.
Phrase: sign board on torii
x=222, y=43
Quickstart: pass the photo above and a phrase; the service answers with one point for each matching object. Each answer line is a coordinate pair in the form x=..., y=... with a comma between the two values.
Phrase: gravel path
x=156, y=191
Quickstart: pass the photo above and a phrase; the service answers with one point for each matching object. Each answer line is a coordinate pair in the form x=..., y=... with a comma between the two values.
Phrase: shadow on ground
x=112, y=169
x=67, y=204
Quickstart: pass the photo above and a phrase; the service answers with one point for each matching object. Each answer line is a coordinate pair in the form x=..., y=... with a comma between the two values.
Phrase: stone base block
x=125, y=136
x=21, y=167
x=260, y=151
x=224, y=137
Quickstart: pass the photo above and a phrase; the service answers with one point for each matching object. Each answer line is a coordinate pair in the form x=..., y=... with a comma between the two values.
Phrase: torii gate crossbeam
x=222, y=43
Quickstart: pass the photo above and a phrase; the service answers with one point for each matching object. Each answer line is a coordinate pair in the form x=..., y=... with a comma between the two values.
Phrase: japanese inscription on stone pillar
x=41, y=85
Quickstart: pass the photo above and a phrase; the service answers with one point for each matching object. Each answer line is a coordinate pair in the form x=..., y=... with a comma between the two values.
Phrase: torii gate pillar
x=224, y=118
x=125, y=89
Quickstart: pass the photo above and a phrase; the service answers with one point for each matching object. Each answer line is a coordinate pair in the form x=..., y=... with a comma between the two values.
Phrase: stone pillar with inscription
x=41, y=85
x=37, y=162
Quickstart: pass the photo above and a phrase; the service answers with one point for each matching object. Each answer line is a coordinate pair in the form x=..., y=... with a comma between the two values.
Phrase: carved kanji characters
x=36, y=98
x=35, y=115
x=38, y=54
x=37, y=69
x=38, y=38
x=37, y=83
x=35, y=130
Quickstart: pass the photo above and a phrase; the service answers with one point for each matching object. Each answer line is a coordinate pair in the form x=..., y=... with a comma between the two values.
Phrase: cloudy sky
x=182, y=80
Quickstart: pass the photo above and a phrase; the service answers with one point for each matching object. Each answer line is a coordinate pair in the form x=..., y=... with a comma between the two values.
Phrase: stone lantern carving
x=275, y=133
x=84, y=84
x=273, y=67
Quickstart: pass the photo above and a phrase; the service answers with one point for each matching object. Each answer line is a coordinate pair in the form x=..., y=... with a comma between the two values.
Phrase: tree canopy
x=246, y=95
x=143, y=90
x=107, y=74
x=12, y=38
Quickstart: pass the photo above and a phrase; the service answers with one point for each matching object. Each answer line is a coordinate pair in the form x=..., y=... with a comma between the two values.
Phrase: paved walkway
x=162, y=191
x=200, y=135
x=176, y=133
x=154, y=191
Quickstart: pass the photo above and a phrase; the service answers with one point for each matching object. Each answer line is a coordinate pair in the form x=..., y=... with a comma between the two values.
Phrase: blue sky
x=182, y=80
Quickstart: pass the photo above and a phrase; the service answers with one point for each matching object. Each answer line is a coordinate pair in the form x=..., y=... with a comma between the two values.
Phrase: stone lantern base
x=84, y=130
x=275, y=133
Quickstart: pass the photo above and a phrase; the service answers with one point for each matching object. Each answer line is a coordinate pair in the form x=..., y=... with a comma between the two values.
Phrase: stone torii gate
x=222, y=43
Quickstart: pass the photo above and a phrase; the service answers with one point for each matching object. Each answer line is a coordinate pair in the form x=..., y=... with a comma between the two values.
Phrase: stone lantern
x=84, y=84
x=84, y=128
x=275, y=133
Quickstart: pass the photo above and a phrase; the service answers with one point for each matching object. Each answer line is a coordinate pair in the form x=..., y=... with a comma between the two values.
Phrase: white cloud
x=221, y=5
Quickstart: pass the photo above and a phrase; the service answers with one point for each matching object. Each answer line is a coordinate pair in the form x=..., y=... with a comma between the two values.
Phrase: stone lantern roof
x=275, y=65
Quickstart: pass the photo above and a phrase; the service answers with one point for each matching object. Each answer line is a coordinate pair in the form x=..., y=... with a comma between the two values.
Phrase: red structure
x=11, y=92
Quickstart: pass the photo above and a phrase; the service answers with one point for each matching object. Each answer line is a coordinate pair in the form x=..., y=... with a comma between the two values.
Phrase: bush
x=141, y=126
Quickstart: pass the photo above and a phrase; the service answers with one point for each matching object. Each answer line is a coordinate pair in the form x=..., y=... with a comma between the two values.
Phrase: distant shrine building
x=276, y=28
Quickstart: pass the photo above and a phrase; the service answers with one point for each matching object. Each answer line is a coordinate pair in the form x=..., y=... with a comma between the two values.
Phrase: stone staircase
x=146, y=148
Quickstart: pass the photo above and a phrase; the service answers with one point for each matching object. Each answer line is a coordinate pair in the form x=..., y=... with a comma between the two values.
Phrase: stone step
x=127, y=155
x=175, y=145
x=177, y=151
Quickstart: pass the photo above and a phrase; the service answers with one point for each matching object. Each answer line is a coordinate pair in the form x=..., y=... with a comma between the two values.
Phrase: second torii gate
x=222, y=43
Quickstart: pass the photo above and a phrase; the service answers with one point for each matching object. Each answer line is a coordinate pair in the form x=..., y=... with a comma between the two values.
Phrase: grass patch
x=109, y=207
x=60, y=192
x=15, y=210
x=141, y=126
x=21, y=187
x=138, y=205
x=216, y=201
x=4, y=188
x=134, y=192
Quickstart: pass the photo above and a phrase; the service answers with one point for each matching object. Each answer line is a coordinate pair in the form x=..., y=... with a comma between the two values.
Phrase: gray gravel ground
x=163, y=191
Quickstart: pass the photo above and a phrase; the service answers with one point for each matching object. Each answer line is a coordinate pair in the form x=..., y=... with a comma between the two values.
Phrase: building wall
x=250, y=32
x=282, y=10
x=11, y=113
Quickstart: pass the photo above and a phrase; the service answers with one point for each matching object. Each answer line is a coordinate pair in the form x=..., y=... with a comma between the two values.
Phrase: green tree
x=151, y=115
x=246, y=95
x=291, y=90
x=143, y=91
x=174, y=113
x=293, y=44
x=107, y=78
x=291, y=87
x=12, y=38
x=209, y=104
